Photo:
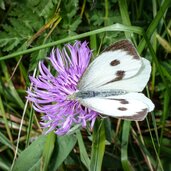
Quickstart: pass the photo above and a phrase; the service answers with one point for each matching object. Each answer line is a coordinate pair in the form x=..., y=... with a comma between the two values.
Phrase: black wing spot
x=115, y=62
x=123, y=101
x=122, y=108
x=119, y=75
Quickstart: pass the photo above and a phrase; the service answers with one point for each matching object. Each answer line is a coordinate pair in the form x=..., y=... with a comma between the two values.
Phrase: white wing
x=131, y=106
x=120, y=61
x=133, y=84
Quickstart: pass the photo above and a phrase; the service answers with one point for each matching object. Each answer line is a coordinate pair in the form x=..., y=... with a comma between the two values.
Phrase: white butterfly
x=112, y=82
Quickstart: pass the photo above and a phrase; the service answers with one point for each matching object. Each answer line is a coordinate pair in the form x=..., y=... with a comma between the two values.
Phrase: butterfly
x=113, y=82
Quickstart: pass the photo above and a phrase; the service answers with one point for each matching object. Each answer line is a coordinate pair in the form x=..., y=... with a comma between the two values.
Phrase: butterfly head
x=71, y=96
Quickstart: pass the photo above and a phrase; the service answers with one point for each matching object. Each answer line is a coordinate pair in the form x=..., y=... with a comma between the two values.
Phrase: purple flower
x=50, y=91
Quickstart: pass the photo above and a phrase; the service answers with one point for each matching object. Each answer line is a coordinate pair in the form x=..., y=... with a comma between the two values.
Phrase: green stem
x=114, y=27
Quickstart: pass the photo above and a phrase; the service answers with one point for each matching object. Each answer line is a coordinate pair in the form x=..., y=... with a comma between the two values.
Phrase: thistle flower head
x=50, y=91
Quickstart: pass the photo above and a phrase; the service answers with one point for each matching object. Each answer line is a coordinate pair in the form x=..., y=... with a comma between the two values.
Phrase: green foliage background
x=28, y=31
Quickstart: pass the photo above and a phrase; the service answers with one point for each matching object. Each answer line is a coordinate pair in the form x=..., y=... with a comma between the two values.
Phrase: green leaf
x=48, y=149
x=124, y=147
x=31, y=157
x=98, y=146
x=5, y=141
x=4, y=164
x=2, y=4
x=83, y=153
x=46, y=8
x=64, y=146
x=8, y=43
x=69, y=8
x=21, y=26
x=39, y=55
x=153, y=25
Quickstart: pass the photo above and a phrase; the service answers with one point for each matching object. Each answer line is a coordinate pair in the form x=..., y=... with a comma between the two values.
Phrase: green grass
x=28, y=31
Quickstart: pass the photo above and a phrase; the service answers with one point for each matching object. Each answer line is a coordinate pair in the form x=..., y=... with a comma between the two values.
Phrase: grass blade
x=98, y=146
x=124, y=146
x=83, y=153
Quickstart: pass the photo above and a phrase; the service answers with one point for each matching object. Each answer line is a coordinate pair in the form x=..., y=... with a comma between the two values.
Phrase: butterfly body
x=102, y=93
x=113, y=82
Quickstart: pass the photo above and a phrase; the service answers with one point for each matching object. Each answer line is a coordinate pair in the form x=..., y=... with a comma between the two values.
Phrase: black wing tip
x=125, y=45
x=138, y=116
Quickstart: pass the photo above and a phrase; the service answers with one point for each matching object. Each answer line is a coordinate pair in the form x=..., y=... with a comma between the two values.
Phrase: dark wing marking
x=115, y=62
x=119, y=75
x=111, y=66
x=138, y=116
x=131, y=106
x=125, y=45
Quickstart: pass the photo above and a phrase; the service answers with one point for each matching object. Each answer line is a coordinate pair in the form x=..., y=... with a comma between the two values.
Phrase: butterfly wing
x=118, y=67
x=131, y=106
x=133, y=84
x=119, y=62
